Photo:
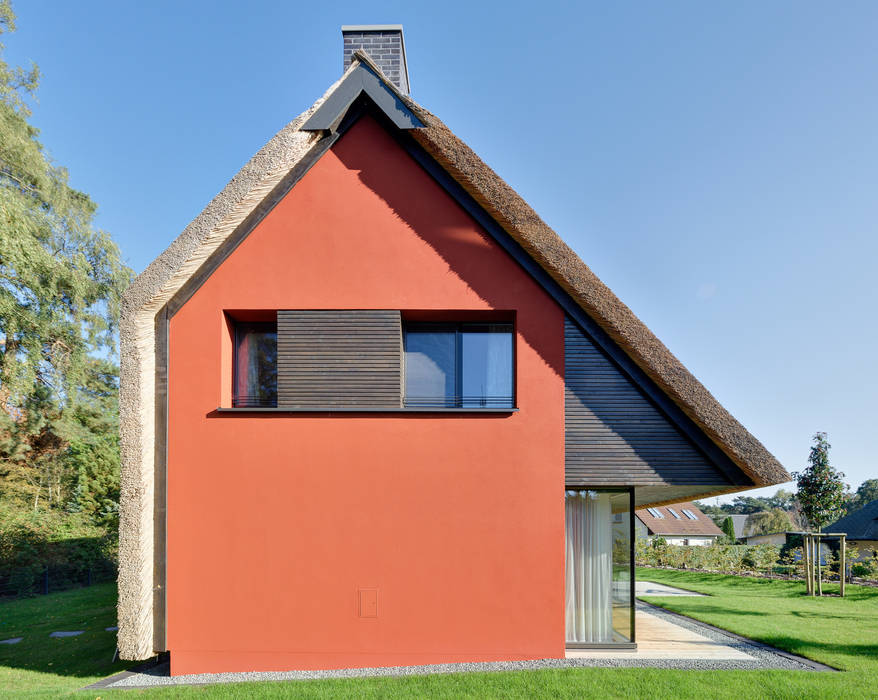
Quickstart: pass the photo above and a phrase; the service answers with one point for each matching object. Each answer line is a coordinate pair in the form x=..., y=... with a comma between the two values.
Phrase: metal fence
x=40, y=580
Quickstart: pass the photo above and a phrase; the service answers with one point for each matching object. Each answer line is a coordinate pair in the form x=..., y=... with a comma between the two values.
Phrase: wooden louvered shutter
x=344, y=358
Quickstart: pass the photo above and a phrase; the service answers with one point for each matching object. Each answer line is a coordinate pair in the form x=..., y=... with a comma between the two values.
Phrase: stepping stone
x=111, y=629
x=14, y=640
x=66, y=634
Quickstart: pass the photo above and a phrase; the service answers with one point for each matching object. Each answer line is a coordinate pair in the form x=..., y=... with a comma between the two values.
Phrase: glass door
x=599, y=567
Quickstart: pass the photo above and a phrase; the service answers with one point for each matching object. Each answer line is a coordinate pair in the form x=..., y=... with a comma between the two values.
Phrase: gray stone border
x=764, y=657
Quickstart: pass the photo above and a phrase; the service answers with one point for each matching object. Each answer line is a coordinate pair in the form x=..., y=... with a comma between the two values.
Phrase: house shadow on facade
x=632, y=428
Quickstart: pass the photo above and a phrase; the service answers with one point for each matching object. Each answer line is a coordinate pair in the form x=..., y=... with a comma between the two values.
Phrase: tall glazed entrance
x=599, y=567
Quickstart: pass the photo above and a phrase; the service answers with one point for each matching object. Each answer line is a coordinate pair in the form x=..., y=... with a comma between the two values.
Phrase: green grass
x=40, y=665
x=842, y=633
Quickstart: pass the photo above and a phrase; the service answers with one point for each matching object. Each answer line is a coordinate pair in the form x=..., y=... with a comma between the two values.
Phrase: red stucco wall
x=275, y=522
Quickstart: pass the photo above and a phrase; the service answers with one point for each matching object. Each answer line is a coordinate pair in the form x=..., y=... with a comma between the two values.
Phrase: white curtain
x=589, y=567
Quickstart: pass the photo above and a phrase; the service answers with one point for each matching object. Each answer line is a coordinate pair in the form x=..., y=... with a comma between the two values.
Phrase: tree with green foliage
x=728, y=527
x=769, y=522
x=745, y=505
x=865, y=494
x=783, y=500
x=821, y=487
x=61, y=282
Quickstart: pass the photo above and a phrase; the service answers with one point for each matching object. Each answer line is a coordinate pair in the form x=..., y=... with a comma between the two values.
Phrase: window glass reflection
x=255, y=381
x=457, y=365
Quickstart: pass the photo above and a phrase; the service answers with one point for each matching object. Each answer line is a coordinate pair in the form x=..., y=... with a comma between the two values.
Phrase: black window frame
x=241, y=327
x=458, y=328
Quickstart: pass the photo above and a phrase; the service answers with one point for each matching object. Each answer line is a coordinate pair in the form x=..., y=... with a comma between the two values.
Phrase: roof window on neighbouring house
x=674, y=513
x=655, y=513
x=689, y=514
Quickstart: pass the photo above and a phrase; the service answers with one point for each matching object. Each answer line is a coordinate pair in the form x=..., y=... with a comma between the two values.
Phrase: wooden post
x=819, y=569
x=806, y=562
x=811, y=583
x=842, y=569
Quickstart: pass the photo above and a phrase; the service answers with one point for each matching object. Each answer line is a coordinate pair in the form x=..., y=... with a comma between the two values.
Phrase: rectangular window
x=689, y=514
x=674, y=513
x=255, y=365
x=459, y=365
x=599, y=568
x=655, y=513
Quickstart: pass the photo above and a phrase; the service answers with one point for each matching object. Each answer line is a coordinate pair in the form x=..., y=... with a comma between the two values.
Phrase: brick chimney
x=385, y=46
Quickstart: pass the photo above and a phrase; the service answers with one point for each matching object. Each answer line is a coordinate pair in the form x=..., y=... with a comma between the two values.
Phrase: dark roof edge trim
x=362, y=79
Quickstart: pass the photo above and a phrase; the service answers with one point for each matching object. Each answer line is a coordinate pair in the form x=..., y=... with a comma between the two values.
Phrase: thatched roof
x=227, y=212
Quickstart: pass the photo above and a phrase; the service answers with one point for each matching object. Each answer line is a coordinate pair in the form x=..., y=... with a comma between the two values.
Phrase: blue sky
x=715, y=165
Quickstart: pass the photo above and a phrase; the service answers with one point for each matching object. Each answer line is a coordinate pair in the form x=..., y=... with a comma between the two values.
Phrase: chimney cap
x=371, y=27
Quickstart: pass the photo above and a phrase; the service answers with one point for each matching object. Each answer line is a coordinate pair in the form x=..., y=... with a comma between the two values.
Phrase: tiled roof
x=670, y=525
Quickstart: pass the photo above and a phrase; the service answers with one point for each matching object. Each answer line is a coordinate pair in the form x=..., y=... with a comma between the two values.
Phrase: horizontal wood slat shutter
x=339, y=358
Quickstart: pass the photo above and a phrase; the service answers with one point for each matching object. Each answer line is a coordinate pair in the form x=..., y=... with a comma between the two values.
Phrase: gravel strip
x=761, y=657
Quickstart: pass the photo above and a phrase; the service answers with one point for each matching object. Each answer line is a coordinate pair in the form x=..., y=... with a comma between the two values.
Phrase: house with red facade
x=375, y=412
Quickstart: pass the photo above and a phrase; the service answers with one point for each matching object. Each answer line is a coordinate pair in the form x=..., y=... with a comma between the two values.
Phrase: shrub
x=724, y=558
x=69, y=545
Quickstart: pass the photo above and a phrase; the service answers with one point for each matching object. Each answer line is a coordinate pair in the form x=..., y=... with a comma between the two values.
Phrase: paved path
x=650, y=588
x=660, y=638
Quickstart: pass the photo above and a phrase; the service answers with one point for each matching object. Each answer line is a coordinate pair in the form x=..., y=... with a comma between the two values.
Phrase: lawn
x=40, y=665
x=842, y=633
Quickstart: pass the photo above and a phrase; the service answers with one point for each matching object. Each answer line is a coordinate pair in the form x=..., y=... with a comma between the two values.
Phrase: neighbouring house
x=375, y=412
x=861, y=528
x=778, y=539
x=681, y=523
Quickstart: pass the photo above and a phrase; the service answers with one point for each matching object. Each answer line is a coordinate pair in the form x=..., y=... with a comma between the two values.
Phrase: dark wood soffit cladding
x=340, y=358
x=647, y=496
x=615, y=434
x=160, y=495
